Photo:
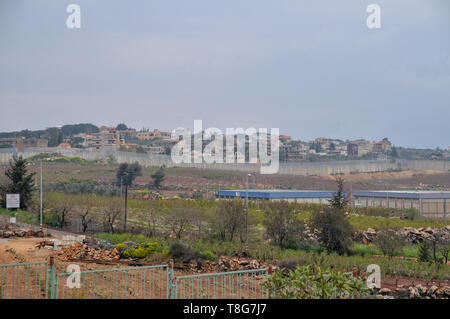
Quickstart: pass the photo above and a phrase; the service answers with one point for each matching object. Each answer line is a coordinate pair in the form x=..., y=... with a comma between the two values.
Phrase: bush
x=425, y=251
x=208, y=255
x=282, y=224
x=289, y=264
x=144, y=250
x=389, y=242
x=183, y=253
x=312, y=282
x=335, y=230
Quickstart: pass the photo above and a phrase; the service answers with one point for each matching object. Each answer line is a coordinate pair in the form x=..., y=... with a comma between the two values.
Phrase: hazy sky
x=311, y=68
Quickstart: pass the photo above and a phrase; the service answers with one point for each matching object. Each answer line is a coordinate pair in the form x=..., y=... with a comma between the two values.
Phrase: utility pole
x=126, y=204
x=40, y=203
x=352, y=206
x=246, y=214
x=121, y=186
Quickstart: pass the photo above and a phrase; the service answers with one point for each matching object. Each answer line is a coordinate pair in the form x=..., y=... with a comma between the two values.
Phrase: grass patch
x=22, y=216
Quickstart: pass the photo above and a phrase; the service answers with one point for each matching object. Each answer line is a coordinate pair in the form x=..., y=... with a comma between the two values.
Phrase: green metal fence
x=248, y=284
x=39, y=281
x=148, y=282
x=24, y=281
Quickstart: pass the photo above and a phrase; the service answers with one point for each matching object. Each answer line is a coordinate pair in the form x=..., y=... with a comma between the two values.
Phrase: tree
x=87, y=211
x=443, y=247
x=61, y=206
x=74, y=129
x=178, y=219
x=20, y=182
x=335, y=231
x=389, y=242
x=282, y=224
x=394, y=153
x=339, y=201
x=111, y=209
x=229, y=219
x=121, y=127
x=149, y=214
x=55, y=136
x=158, y=177
x=126, y=174
x=425, y=251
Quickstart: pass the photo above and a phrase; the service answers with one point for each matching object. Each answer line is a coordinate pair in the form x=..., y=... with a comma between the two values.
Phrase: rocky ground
x=413, y=292
x=410, y=234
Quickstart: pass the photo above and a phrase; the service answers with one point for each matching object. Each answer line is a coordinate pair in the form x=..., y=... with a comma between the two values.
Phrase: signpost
x=12, y=201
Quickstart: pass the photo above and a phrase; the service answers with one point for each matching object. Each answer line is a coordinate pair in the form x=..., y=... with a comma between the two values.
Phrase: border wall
x=313, y=168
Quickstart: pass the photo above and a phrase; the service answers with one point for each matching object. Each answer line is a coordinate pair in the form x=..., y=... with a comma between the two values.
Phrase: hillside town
x=155, y=141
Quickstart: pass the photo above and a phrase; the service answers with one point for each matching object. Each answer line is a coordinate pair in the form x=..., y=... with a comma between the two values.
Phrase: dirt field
x=189, y=180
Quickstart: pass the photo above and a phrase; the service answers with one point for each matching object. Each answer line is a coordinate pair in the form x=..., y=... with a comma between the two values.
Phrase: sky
x=309, y=68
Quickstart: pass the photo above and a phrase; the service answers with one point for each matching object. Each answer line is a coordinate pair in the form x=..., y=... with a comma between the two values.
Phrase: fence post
x=52, y=277
x=269, y=273
x=170, y=294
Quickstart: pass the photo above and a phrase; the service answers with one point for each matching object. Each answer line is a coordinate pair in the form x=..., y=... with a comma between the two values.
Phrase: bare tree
x=87, y=211
x=111, y=210
x=179, y=219
x=282, y=224
x=60, y=205
x=149, y=214
x=229, y=219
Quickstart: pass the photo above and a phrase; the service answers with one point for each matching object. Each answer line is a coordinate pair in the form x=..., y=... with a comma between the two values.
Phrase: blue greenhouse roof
x=274, y=194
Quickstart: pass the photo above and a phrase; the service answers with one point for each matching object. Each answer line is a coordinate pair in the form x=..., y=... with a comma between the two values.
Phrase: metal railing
x=24, y=281
x=248, y=284
x=147, y=282
x=38, y=280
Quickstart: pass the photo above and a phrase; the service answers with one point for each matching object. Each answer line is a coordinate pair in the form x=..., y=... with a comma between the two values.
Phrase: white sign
x=12, y=200
x=12, y=220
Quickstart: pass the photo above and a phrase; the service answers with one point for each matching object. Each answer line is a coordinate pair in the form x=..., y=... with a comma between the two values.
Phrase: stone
x=432, y=291
x=39, y=233
x=385, y=291
x=254, y=264
x=446, y=291
x=20, y=233
x=413, y=293
x=402, y=293
x=7, y=234
x=422, y=290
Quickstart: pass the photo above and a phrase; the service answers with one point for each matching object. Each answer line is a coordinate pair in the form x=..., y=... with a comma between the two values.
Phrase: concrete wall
x=430, y=208
x=317, y=168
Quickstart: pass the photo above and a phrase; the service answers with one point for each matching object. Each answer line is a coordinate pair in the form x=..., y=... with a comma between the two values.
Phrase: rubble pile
x=84, y=252
x=21, y=233
x=413, y=292
x=410, y=234
x=225, y=264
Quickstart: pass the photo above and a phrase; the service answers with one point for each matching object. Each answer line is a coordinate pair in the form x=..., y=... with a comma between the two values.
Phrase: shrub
x=389, y=242
x=335, y=230
x=282, y=224
x=182, y=252
x=312, y=282
x=144, y=250
x=208, y=254
x=425, y=251
x=289, y=264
